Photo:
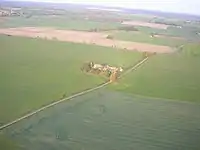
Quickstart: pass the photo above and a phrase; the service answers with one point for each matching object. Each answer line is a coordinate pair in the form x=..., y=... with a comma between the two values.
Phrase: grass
x=188, y=33
x=111, y=120
x=139, y=17
x=57, y=22
x=145, y=38
x=192, y=50
x=7, y=144
x=35, y=72
x=173, y=76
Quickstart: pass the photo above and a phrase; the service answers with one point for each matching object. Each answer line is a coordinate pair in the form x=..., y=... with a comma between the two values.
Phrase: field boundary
x=163, y=99
x=70, y=97
x=83, y=37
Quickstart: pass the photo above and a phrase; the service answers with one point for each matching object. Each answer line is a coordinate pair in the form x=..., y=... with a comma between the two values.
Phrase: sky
x=179, y=6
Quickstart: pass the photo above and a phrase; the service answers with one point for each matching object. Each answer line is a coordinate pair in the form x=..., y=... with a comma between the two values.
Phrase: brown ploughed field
x=83, y=37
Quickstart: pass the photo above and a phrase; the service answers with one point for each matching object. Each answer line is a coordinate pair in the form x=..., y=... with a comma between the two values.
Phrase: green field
x=35, y=72
x=111, y=120
x=155, y=107
x=188, y=33
x=57, y=22
x=83, y=24
x=173, y=76
x=145, y=38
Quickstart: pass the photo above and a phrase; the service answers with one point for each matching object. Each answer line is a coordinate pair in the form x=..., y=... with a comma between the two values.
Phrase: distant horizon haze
x=174, y=6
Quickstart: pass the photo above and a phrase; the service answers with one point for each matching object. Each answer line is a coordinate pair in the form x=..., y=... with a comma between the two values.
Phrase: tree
x=86, y=67
x=110, y=37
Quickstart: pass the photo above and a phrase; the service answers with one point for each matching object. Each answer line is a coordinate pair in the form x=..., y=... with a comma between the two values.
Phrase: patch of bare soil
x=83, y=37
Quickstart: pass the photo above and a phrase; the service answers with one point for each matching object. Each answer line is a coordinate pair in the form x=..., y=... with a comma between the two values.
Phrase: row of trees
x=122, y=28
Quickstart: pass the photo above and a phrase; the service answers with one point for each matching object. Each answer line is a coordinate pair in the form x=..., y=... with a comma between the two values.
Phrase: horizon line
x=102, y=5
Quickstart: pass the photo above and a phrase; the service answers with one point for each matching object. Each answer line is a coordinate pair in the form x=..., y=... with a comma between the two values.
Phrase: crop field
x=146, y=38
x=145, y=24
x=154, y=107
x=173, y=76
x=83, y=37
x=87, y=24
x=111, y=120
x=56, y=22
x=35, y=72
x=141, y=17
x=185, y=32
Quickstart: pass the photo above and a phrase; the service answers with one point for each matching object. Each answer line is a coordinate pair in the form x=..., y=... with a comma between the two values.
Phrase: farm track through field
x=70, y=97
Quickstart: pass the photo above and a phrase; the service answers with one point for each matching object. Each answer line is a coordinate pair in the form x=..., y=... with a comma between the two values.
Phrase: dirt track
x=83, y=37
